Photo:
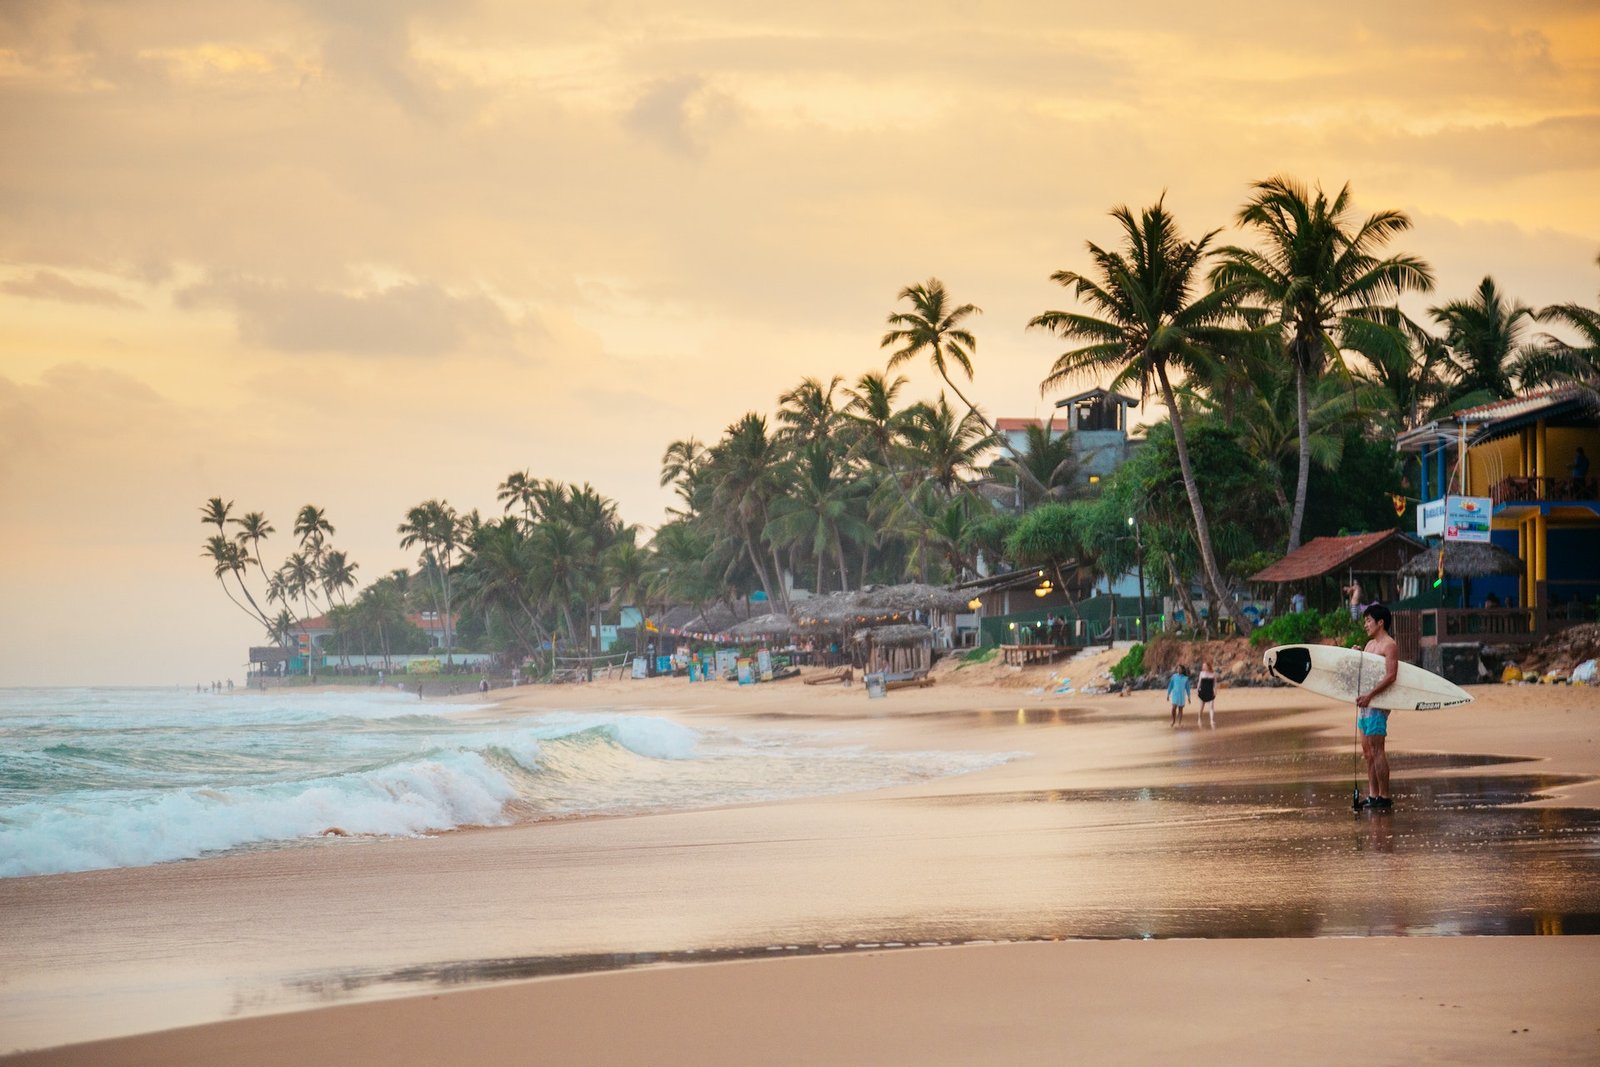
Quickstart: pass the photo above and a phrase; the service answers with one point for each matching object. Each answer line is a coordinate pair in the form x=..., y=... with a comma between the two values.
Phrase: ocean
x=99, y=777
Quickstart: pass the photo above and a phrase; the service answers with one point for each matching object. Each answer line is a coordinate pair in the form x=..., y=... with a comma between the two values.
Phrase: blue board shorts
x=1373, y=723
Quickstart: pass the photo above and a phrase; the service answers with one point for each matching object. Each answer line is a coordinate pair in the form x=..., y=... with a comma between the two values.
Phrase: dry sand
x=247, y=946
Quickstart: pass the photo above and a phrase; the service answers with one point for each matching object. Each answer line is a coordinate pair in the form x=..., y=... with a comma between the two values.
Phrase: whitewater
x=94, y=778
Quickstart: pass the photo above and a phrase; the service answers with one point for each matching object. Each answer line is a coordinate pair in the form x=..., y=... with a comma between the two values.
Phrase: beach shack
x=1324, y=569
x=898, y=651
x=1522, y=464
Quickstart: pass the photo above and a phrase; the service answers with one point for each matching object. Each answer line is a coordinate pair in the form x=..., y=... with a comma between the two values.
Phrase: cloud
x=681, y=114
x=409, y=320
x=49, y=285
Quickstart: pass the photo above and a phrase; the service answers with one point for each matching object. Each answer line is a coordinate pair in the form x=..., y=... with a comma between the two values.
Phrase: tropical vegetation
x=1285, y=366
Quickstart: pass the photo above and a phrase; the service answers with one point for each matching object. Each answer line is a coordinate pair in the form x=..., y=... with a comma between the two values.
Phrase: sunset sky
x=364, y=254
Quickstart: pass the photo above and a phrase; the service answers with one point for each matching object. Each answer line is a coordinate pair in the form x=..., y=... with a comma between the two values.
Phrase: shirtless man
x=1373, y=723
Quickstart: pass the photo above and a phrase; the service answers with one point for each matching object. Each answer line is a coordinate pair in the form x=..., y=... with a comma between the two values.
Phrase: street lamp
x=1138, y=548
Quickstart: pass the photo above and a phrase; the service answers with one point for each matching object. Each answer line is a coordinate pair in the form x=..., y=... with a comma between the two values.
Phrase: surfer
x=1373, y=723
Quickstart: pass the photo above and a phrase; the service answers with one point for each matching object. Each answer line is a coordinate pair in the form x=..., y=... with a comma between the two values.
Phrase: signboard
x=727, y=662
x=745, y=675
x=1467, y=518
x=764, y=665
x=1430, y=518
x=640, y=668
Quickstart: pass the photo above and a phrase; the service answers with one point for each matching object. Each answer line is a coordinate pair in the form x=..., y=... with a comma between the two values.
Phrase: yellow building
x=1529, y=456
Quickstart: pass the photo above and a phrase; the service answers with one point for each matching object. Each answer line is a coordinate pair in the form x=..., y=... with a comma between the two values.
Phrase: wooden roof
x=1324, y=555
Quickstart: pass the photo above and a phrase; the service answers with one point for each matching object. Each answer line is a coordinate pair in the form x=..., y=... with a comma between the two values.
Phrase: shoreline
x=948, y=850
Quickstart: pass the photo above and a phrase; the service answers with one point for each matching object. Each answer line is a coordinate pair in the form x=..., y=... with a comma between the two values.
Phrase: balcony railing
x=1525, y=489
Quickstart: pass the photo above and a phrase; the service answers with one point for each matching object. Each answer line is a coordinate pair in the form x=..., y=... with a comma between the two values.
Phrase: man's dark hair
x=1380, y=614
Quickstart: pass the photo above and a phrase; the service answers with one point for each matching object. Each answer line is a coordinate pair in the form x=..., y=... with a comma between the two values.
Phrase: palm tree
x=746, y=470
x=819, y=511
x=229, y=559
x=313, y=529
x=946, y=448
x=1485, y=335
x=808, y=413
x=1560, y=361
x=934, y=327
x=681, y=467
x=1318, y=278
x=519, y=490
x=435, y=525
x=1149, y=323
x=254, y=528
x=1052, y=461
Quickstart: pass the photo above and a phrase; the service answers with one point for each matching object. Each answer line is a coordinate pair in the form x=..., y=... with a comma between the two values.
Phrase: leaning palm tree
x=1149, y=322
x=935, y=328
x=1317, y=278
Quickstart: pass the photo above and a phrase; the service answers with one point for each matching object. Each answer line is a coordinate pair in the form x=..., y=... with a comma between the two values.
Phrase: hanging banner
x=1467, y=518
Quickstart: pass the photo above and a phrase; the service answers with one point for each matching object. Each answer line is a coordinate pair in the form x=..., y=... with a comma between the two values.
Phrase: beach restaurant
x=1513, y=477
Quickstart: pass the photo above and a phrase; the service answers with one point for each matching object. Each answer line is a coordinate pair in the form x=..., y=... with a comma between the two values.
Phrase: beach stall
x=899, y=651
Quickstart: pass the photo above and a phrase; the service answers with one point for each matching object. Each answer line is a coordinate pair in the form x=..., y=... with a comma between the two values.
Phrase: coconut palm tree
x=229, y=559
x=747, y=471
x=254, y=528
x=933, y=327
x=1485, y=334
x=519, y=490
x=436, y=526
x=819, y=512
x=808, y=412
x=944, y=447
x=1149, y=322
x=1318, y=278
x=682, y=465
x=1559, y=361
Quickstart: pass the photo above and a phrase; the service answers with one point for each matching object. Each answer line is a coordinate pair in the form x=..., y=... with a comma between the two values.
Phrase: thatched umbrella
x=773, y=625
x=713, y=620
x=1464, y=559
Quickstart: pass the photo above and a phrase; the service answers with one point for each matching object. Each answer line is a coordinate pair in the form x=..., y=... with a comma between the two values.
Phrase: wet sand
x=1170, y=892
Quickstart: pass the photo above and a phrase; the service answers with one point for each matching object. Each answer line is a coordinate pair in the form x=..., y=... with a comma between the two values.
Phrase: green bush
x=1130, y=666
x=1309, y=628
x=979, y=655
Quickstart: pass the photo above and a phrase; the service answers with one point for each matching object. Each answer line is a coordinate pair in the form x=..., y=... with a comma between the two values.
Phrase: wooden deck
x=1022, y=655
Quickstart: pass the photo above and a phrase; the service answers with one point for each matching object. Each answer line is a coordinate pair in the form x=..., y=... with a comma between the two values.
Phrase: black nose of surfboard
x=1292, y=664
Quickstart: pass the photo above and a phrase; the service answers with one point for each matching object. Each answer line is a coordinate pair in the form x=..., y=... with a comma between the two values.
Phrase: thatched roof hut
x=898, y=635
x=900, y=648
x=832, y=613
x=914, y=596
x=1464, y=559
x=772, y=625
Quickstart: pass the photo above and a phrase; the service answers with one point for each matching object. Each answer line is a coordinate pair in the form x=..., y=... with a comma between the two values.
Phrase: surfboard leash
x=1355, y=757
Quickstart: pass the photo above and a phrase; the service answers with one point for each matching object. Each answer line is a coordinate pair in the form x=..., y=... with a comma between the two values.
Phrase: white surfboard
x=1345, y=673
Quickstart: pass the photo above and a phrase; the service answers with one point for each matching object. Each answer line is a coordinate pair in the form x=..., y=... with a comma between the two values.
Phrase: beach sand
x=1141, y=894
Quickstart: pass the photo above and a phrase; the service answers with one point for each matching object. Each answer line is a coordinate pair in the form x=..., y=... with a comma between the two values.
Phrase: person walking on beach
x=1208, y=691
x=1178, y=693
x=1373, y=723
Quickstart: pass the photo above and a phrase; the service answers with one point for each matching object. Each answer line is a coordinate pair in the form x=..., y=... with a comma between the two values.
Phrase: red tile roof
x=1321, y=555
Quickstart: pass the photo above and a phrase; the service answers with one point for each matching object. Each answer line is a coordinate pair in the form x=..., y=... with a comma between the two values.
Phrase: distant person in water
x=1208, y=691
x=1373, y=723
x=1178, y=693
